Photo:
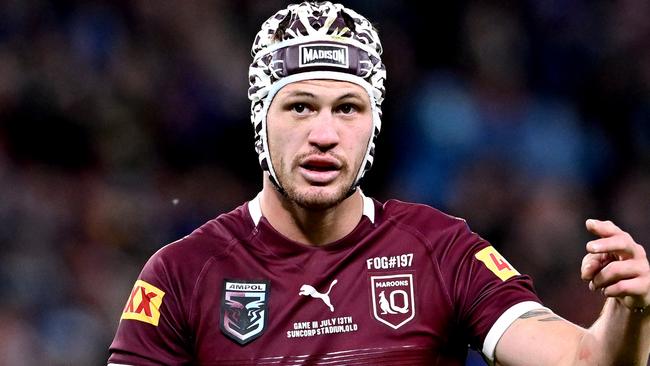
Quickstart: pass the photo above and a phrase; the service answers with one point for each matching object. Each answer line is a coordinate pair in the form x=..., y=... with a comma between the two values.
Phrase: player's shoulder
x=419, y=215
x=428, y=224
x=212, y=239
x=442, y=233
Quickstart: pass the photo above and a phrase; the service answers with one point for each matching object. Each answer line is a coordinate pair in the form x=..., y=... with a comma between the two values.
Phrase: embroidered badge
x=244, y=309
x=393, y=302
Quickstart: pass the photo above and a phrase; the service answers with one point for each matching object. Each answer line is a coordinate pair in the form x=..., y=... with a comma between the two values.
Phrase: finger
x=602, y=228
x=621, y=245
x=615, y=272
x=635, y=287
x=592, y=264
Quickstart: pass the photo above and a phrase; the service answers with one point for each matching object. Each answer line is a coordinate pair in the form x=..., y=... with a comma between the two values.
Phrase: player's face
x=318, y=132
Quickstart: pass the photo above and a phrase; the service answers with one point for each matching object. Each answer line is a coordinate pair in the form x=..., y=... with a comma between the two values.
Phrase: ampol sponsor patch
x=496, y=263
x=244, y=309
x=393, y=302
x=144, y=303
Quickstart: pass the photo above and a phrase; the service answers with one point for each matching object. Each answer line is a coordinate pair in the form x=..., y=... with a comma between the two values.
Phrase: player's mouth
x=320, y=170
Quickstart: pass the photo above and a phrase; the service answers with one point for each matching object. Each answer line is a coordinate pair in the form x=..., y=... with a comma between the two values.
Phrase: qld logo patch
x=393, y=302
x=244, y=308
x=144, y=303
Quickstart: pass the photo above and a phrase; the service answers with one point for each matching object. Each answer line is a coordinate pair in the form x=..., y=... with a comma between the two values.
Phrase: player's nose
x=323, y=133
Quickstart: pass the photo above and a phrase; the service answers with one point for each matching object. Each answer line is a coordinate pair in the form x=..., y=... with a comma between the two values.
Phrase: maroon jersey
x=408, y=286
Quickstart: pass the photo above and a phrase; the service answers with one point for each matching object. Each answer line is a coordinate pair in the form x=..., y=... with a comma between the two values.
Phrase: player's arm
x=618, y=267
x=153, y=324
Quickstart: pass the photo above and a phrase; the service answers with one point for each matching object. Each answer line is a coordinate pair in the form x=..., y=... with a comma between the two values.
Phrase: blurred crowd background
x=125, y=124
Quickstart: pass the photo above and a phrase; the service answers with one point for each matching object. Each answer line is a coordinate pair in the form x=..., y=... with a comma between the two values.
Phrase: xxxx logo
x=144, y=303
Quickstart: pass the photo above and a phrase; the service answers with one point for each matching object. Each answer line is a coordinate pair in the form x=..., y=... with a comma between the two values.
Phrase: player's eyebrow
x=350, y=95
x=306, y=94
x=299, y=93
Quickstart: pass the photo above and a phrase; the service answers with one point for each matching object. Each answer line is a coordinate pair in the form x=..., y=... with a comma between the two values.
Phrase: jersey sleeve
x=152, y=328
x=488, y=292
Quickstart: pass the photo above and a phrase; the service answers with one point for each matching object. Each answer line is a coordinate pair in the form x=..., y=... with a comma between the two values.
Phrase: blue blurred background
x=125, y=124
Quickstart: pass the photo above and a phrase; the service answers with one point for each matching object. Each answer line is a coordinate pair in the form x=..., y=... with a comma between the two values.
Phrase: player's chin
x=320, y=197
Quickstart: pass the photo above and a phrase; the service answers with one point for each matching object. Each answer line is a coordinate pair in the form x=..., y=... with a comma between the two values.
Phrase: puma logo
x=307, y=290
x=386, y=308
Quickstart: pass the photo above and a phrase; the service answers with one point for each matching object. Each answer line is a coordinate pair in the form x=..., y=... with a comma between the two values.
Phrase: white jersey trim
x=255, y=209
x=503, y=323
x=118, y=364
x=368, y=207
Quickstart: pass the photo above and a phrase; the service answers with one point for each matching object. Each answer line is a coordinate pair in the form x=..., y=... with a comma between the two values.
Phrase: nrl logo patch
x=244, y=309
x=323, y=55
x=393, y=302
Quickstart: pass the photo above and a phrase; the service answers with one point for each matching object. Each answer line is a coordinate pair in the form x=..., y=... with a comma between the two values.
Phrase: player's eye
x=299, y=108
x=347, y=108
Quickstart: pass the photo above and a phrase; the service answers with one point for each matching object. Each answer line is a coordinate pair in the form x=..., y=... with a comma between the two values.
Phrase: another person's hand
x=617, y=266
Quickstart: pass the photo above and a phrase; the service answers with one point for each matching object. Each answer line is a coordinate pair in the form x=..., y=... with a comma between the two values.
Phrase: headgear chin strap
x=314, y=41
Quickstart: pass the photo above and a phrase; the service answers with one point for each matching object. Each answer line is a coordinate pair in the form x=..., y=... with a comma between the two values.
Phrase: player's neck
x=311, y=227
